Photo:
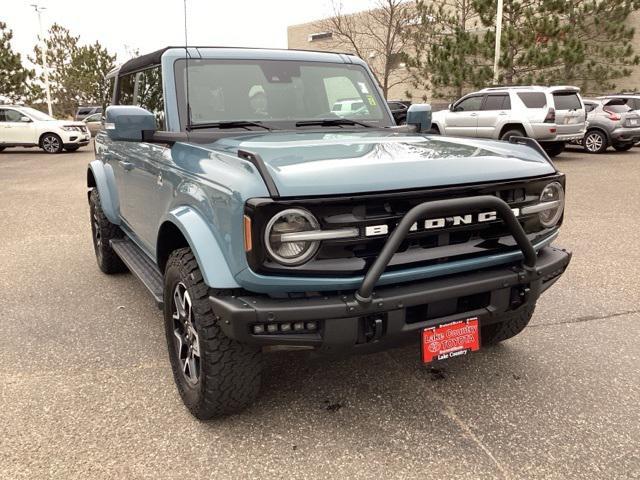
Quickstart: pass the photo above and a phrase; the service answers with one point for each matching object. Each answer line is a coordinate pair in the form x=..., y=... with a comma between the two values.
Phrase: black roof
x=153, y=58
x=143, y=61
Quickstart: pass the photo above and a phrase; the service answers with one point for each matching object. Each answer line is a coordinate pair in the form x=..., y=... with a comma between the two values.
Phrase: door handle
x=473, y=115
x=503, y=113
x=126, y=165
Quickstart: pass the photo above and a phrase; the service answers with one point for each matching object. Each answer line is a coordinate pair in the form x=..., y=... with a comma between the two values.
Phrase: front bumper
x=395, y=315
x=75, y=138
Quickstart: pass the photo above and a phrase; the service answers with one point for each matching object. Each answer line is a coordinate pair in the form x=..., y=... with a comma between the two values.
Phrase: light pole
x=43, y=51
x=498, y=37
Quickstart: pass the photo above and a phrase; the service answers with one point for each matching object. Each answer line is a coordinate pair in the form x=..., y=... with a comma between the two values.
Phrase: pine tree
x=581, y=42
x=76, y=72
x=451, y=52
x=13, y=75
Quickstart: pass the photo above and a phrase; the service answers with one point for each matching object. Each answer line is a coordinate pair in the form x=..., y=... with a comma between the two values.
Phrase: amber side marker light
x=248, y=244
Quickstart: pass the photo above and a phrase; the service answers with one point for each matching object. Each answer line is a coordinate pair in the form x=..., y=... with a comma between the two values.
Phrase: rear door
x=570, y=114
x=462, y=119
x=495, y=109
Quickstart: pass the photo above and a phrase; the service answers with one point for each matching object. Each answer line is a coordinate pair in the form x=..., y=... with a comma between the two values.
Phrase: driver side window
x=8, y=115
x=469, y=104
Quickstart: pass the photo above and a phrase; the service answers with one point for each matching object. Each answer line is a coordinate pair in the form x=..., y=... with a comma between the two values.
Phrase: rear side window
x=149, y=93
x=567, y=101
x=589, y=107
x=497, y=102
x=533, y=99
x=126, y=87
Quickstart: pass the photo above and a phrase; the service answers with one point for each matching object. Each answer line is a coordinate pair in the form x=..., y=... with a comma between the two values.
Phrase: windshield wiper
x=230, y=124
x=330, y=122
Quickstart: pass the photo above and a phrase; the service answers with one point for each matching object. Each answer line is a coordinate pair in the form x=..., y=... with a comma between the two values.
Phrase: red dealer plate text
x=450, y=340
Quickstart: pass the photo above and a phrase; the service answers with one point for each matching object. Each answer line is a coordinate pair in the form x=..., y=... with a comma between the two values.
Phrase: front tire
x=51, y=143
x=214, y=374
x=509, y=327
x=595, y=142
x=103, y=232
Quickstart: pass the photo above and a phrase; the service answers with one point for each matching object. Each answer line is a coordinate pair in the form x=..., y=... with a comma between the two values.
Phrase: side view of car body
x=611, y=122
x=551, y=115
x=27, y=127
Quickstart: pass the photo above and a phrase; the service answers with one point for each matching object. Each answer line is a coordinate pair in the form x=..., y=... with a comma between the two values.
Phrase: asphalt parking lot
x=86, y=390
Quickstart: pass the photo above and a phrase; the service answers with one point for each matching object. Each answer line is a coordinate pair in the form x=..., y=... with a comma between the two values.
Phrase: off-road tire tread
x=511, y=326
x=111, y=262
x=230, y=371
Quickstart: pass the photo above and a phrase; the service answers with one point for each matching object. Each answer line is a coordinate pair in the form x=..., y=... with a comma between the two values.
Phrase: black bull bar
x=443, y=208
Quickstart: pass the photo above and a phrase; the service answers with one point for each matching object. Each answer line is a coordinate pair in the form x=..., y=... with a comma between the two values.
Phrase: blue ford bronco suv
x=261, y=217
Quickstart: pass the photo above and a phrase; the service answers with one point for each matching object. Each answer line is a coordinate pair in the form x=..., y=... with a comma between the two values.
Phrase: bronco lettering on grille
x=443, y=222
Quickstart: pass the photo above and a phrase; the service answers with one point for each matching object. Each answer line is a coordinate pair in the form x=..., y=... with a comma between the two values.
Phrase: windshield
x=273, y=91
x=36, y=114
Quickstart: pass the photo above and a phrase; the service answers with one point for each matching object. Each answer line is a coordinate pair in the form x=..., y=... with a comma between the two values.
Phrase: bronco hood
x=328, y=163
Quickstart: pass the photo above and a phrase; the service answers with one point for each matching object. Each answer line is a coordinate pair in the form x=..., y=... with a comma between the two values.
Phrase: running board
x=141, y=266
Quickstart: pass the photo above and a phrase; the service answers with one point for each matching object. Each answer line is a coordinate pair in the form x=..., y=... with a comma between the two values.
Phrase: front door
x=462, y=119
x=15, y=131
x=144, y=186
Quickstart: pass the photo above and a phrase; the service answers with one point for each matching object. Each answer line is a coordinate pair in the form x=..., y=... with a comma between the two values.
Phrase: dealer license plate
x=450, y=340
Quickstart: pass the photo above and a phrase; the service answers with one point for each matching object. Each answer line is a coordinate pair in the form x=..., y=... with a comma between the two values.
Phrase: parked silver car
x=611, y=122
x=551, y=115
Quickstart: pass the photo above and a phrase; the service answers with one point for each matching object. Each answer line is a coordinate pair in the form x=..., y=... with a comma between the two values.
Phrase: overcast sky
x=123, y=25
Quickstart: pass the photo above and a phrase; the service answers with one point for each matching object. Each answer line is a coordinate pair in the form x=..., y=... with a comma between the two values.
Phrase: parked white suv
x=551, y=115
x=27, y=127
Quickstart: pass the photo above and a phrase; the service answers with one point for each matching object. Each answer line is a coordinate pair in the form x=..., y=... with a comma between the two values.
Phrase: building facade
x=316, y=36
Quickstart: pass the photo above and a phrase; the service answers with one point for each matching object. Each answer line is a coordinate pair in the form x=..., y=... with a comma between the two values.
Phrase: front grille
x=354, y=256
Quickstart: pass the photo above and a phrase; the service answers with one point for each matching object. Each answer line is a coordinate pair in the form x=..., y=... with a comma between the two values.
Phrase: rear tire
x=506, y=136
x=103, y=232
x=214, y=374
x=554, y=149
x=51, y=143
x=2, y=148
x=434, y=130
x=595, y=142
x=509, y=327
x=623, y=148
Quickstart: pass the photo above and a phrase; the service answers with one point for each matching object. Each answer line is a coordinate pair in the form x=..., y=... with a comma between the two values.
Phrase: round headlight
x=285, y=250
x=553, y=194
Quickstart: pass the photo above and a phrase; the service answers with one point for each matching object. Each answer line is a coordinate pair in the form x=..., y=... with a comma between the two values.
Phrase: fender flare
x=204, y=245
x=105, y=182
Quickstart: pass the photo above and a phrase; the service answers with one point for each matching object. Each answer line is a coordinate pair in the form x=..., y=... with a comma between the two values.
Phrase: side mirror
x=449, y=106
x=126, y=122
x=25, y=119
x=419, y=115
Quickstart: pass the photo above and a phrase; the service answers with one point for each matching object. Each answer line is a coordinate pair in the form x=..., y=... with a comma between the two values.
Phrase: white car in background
x=28, y=127
x=353, y=107
x=551, y=115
